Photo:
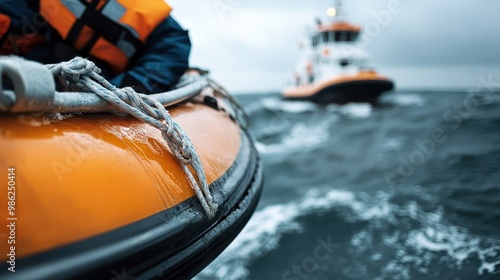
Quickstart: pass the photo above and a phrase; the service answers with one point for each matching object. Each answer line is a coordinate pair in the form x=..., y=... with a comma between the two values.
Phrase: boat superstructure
x=332, y=67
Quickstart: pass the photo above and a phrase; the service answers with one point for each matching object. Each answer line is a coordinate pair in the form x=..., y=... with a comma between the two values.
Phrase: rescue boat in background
x=100, y=195
x=332, y=68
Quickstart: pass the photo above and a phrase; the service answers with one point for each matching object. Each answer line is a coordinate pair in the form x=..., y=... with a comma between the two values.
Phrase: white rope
x=84, y=75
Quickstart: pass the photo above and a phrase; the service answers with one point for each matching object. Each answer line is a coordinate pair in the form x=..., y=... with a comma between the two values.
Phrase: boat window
x=346, y=36
x=339, y=36
x=331, y=36
x=315, y=40
x=324, y=36
x=344, y=62
x=353, y=36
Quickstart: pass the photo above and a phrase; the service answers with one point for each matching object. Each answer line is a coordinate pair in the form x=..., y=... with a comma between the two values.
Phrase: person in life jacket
x=135, y=43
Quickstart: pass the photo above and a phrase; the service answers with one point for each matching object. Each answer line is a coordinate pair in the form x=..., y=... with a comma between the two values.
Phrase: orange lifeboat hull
x=100, y=194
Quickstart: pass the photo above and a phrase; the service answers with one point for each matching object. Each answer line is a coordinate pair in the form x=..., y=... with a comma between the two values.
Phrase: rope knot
x=72, y=70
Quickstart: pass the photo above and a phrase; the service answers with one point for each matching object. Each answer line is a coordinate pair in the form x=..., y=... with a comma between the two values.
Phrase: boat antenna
x=340, y=10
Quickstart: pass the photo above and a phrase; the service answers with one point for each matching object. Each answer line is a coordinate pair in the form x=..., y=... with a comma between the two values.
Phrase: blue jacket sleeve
x=160, y=64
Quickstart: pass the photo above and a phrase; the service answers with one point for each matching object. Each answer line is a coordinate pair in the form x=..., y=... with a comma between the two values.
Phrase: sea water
x=405, y=189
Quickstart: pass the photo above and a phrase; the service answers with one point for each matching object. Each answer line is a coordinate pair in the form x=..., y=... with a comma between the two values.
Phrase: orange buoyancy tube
x=90, y=174
x=109, y=30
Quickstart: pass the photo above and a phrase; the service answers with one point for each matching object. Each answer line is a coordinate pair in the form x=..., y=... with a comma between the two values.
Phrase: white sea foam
x=294, y=107
x=490, y=260
x=260, y=235
x=351, y=110
x=301, y=137
x=392, y=144
x=356, y=110
x=437, y=241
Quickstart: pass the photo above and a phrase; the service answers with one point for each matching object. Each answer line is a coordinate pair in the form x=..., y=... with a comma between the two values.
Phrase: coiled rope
x=83, y=74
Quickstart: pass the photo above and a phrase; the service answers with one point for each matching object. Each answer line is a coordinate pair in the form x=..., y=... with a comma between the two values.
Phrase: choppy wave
x=308, y=134
x=433, y=240
x=438, y=224
x=276, y=104
x=301, y=137
x=264, y=231
x=392, y=144
x=356, y=110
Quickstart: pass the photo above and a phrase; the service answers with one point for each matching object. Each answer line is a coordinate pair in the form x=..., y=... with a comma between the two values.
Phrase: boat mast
x=340, y=10
x=336, y=12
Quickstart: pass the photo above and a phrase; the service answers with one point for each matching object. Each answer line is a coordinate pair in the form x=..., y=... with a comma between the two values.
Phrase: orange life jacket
x=110, y=30
x=4, y=28
x=4, y=24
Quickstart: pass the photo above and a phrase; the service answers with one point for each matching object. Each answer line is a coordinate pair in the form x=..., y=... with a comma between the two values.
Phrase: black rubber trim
x=353, y=91
x=176, y=243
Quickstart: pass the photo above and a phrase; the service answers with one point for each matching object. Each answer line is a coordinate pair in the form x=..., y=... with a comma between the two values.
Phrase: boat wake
x=285, y=133
x=352, y=110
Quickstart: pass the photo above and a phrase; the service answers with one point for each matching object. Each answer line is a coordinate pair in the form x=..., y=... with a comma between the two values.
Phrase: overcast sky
x=252, y=45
